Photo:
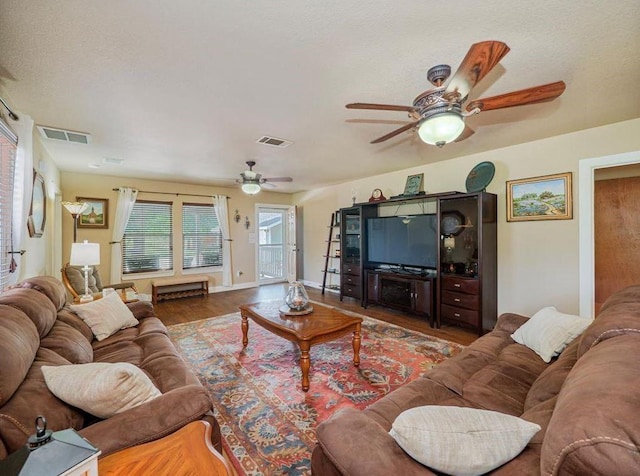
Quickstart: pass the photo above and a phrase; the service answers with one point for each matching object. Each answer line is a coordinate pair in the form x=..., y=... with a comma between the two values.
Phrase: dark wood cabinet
x=413, y=294
x=468, y=264
x=463, y=287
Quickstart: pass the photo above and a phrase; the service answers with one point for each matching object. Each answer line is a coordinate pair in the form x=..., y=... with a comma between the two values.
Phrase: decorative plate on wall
x=480, y=177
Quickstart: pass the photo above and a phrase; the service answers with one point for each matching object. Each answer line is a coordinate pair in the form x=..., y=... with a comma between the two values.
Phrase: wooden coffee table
x=324, y=324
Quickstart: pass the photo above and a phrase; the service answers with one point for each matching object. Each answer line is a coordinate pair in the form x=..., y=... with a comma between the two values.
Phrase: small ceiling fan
x=439, y=114
x=252, y=182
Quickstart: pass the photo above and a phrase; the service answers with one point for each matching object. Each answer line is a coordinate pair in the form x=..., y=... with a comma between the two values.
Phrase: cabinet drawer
x=468, y=301
x=354, y=290
x=460, y=284
x=351, y=280
x=353, y=269
x=467, y=316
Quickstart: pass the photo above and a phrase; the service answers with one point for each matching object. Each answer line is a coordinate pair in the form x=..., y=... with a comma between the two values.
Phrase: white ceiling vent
x=274, y=142
x=67, y=136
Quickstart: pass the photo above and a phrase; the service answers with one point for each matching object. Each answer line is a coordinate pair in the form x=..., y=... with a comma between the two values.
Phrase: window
x=8, y=143
x=147, y=242
x=201, y=237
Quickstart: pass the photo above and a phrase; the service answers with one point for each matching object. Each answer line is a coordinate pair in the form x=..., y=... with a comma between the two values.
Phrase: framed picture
x=37, y=211
x=96, y=215
x=413, y=185
x=548, y=197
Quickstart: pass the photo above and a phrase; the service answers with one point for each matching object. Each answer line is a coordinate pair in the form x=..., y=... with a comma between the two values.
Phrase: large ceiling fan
x=252, y=182
x=439, y=113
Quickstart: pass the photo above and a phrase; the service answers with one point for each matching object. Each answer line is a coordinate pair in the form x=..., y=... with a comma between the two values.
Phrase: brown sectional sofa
x=587, y=402
x=36, y=329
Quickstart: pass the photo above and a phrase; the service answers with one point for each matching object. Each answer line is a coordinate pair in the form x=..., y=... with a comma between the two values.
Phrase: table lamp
x=85, y=254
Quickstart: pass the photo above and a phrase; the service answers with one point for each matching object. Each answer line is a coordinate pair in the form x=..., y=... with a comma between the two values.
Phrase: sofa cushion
x=68, y=317
x=101, y=389
x=49, y=286
x=32, y=398
x=617, y=318
x=461, y=441
x=105, y=316
x=19, y=343
x=594, y=428
x=68, y=342
x=549, y=383
x=37, y=306
x=549, y=331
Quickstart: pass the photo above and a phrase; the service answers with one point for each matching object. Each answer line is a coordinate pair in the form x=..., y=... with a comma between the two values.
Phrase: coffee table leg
x=356, y=345
x=305, y=364
x=245, y=331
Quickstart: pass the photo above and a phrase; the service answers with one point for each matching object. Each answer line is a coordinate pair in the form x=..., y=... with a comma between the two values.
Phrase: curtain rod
x=173, y=193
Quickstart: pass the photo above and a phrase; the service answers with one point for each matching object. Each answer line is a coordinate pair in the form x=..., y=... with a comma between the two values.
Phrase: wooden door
x=616, y=236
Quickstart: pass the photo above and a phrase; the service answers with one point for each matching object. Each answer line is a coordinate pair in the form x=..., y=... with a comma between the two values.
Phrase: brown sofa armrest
x=358, y=446
x=141, y=309
x=149, y=421
x=509, y=322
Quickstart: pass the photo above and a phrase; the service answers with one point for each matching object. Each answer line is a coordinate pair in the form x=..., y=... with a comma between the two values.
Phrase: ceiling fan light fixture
x=251, y=188
x=440, y=129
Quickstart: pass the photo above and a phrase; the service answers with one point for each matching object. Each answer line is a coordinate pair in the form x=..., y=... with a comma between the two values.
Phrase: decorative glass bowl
x=296, y=297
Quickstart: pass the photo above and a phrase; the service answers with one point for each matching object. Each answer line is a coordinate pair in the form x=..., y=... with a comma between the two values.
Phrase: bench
x=179, y=286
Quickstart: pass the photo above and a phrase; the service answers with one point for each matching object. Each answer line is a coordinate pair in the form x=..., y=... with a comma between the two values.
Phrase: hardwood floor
x=218, y=304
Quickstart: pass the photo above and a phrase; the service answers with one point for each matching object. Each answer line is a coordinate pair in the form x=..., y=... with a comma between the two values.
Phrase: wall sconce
x=247, y=223
x=237, y=216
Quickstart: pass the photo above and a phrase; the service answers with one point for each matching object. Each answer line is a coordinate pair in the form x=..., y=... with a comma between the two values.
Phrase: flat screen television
x=392, y=241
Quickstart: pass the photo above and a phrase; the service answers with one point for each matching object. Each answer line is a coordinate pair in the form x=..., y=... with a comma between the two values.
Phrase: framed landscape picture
x=96, y=215
x=548, y=197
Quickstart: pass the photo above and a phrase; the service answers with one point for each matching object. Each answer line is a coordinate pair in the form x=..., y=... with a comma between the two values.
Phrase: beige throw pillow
x=102, y=389
x=461, y=441
x=548, y=332
x=105, y=316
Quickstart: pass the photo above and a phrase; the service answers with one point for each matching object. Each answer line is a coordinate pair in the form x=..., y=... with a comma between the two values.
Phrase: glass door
x=271, y=241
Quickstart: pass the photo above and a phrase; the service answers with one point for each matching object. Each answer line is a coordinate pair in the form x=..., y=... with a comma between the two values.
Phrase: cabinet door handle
x=457, y=285
x=456, y=299
x=457, y=314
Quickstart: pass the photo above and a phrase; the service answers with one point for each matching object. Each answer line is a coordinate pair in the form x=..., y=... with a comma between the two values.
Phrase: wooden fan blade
x=278, y=179
x=381, y=107
x=546, y=92
x=466, y=133
x=480, y=59
x=391, y=134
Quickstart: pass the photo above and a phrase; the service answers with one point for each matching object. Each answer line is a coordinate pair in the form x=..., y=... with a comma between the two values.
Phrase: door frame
x=586, y=237
x=285, y=238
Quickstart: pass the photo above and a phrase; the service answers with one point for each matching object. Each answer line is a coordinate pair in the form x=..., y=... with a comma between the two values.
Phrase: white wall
x=538, y=261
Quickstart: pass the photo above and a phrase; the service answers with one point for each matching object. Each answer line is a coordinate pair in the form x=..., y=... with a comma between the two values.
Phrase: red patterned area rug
x=268, y=423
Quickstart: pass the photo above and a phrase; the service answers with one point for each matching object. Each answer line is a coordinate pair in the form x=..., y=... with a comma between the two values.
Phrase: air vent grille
x=274, y=142
x=67, y=136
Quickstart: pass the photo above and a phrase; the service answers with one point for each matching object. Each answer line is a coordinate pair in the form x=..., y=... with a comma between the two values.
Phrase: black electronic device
x=409, y=241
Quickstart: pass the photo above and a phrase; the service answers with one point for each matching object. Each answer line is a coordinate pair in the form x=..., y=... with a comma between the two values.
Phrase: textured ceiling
x=182, y=90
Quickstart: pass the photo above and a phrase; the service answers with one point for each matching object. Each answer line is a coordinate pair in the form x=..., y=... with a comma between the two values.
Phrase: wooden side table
x=187, y=451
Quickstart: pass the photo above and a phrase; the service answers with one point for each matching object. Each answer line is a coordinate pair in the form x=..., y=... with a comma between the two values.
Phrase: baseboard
x=221, y=289
x=313, y=284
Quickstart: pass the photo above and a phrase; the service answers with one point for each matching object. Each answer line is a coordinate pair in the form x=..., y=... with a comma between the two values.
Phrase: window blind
x=8, y=146
x=201, y=237
x=147, y=242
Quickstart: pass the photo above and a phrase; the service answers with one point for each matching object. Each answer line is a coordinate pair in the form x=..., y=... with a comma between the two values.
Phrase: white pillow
x=461, y=441
x=105, y=316
x=100, y=388
x=548, y=332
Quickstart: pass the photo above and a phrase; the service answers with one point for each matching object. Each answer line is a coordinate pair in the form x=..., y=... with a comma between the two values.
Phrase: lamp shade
x=85, y=254
x=251, y=188
x=441, y=128
x=75, y=208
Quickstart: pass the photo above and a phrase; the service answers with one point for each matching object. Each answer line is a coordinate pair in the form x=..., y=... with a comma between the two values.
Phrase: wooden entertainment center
x=460, y=287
